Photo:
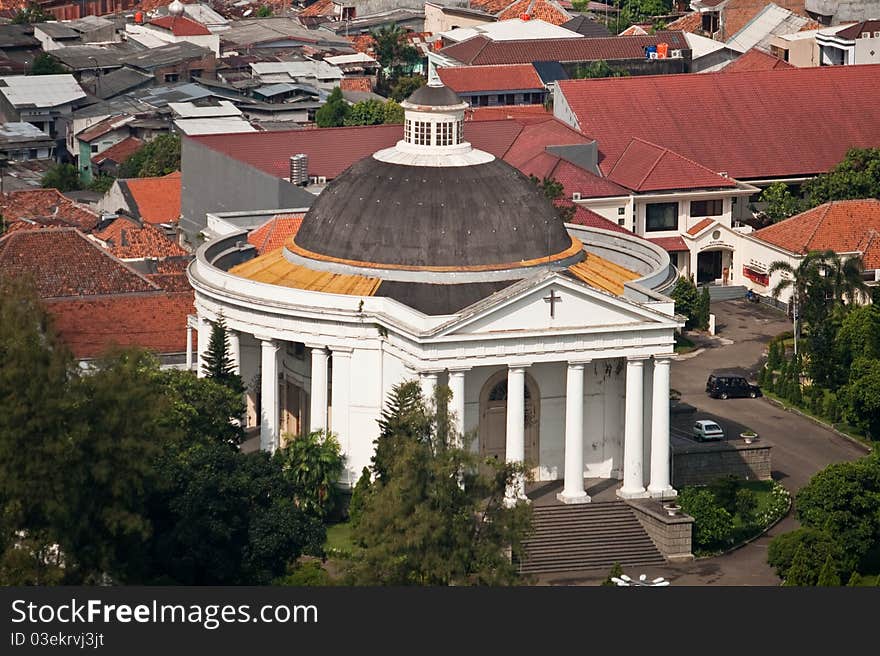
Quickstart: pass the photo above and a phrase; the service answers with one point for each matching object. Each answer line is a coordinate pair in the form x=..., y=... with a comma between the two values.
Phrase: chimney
x=299, y=169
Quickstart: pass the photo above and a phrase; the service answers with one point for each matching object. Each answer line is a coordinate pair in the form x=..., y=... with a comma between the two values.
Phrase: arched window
x=499, y=392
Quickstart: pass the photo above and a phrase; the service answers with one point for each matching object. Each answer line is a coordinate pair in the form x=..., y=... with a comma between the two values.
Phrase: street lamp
x=624, y=581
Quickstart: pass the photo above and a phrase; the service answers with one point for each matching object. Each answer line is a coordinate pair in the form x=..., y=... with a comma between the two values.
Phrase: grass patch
x=766, y=512
x=338, y=540
x=843, y=427
x=683, y=344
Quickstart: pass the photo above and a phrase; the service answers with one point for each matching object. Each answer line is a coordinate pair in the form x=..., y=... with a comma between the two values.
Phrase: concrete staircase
x=587, y=536
x=726, y=293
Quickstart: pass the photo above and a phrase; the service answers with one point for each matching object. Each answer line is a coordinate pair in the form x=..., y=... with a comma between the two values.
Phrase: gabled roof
x=583, y=24
x=277, y=230
x=756, y=59
x=549, y=12
x=64, y=262
x=644, y=166
x=40, y=90
x=181, y=26
x=128, y=240
x=356, y=84
x=510, y=77
x=103, y=127
x=843, y=226
x=90, y=326
x=587, y=217
x=480, y=50
x=154, y=200
x=855, y=31
x=46, y=205
x=798, y=121
x=574, y=179
x=119, y=152
x=670, y=244
x=699, y=226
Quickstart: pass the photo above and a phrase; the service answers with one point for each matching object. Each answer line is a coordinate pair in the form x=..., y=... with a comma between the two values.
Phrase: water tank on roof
x=662, y=50
x=139, y=17
x=299, y=169
x=525, y=17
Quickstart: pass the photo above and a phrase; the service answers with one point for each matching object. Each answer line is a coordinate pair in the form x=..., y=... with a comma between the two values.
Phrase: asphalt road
x=800, y=447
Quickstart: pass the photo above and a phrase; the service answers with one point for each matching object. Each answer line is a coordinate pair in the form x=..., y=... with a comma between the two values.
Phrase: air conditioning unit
x=576, y=195
x=675, y=54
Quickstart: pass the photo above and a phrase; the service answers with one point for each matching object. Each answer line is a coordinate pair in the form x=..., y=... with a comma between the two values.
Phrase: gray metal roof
x=40, y=90
x=57, y=30
x=267, y=30
x=20, y=132
x=154, y=58
x=119, y=81
x=17, y=36
x=81, y=58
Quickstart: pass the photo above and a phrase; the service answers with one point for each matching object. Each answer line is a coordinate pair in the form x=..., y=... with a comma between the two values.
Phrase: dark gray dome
x=434, y=96
x=391, y=214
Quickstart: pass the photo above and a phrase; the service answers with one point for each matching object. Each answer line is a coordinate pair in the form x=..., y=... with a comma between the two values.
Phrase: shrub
x=725, y=490
x=713, y=525
x=306, y=573
x=746, y=504
x=358, y=495
x=816, y=545
x=828, y=576
x=616, y=570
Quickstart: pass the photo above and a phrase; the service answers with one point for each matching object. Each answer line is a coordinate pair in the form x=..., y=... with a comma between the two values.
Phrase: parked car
x=706, y=429
x=725, y=386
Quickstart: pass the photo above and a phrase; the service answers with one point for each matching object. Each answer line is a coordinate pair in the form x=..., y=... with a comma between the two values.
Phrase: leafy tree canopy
x=45, y=64
x=63, y=177
x=33, y=13
x=857, y=176
x=781, y=202
x=332, y=114
x=160, y=156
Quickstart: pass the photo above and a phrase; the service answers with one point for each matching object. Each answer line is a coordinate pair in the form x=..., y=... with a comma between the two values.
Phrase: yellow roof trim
x=602, y=274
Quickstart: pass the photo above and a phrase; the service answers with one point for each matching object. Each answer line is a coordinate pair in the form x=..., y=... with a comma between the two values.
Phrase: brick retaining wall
x=700, y=464
x=670, y=534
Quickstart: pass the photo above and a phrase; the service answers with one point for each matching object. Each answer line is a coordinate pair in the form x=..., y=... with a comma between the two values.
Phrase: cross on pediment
x=553, y=299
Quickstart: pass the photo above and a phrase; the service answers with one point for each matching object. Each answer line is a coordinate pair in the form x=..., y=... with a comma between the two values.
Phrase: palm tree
x=803, y=280
x=844, y=276
x=313, y=463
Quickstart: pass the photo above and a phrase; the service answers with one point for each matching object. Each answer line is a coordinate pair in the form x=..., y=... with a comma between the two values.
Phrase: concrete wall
x=214, y=182
x=672, y=535
x=844, y=10
x=437, y=21
x=702, y=463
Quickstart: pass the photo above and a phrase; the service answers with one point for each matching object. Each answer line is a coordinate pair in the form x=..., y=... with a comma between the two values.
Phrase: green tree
x=218, y=363
x=800, y=574
x=828, y=576
x=431, y=517
x=404, y=86
x=855, y=580
x=862, y=396
x=45, y=64
x=844, y=500
x=392, y=113
x=859, y=335
x=713, y=524
x=816, y=544
x=102, y=183
x=393, y=51
x=703, y=309
x=358, y=496
x=857, y=176
x=616, y=571
x=555, y=193
x=264, y=11
x=33, y=13
x=366, y=112
x=597, y=69
x=312, y=463
x=63, y=177
x=332, y=114
x=687, y=301
x=781, y=203
x=160, y=156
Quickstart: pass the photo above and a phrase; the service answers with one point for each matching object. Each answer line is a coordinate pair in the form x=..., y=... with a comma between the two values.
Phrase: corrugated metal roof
x=40, y=90
x=225, y=125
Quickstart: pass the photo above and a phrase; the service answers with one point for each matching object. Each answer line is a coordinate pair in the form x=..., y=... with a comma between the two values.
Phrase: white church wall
x=603, y=418
x=647, y=414
x=365, y=402
x=550, y=378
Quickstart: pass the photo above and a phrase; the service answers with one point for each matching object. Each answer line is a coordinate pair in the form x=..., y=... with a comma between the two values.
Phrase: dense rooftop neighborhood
x=552, y=210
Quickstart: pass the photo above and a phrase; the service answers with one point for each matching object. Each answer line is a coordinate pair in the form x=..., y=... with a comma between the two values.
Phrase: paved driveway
x=800, y=447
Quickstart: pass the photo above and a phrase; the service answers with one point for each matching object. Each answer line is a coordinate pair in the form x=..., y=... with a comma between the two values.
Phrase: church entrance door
x=493, y=420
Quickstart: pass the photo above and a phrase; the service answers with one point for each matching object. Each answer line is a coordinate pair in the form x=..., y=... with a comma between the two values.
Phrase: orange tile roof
x=91, y=326
x=638, y=30
x=319, y=8
x=356, y=84
x=362, y=43
x=491, y=6
x=64, y=262
x=128, y=240
x=517, y=112
x=119, y=152
x=670, y=244
x=549, y=12
x=700, y=226
x=272, y=234
x=738, y=13
x=463, y=79
x=46, y=206
x=843, y=226
x=181, y=26
x=687, y=23
x=157, y=199
x=756, y=59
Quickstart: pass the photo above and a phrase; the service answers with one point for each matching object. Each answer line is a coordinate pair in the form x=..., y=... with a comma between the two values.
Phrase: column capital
x=514, y=366
x=637, y=359
x=341, y=351
x=663, y=359
x=578, y=364
x=315, y=347
x=458, y=371
x=266, y=338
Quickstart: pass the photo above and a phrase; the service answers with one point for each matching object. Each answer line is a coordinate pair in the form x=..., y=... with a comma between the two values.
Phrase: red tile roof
x=670, y=244
x=362, y=43
x=644, y=166
x=128, y=240
x=271, y=235
x=843, y=226
x=102, y=127
x=511, y=77
x=480, y=50
x=699, y=226
x=737, y=13
x=549, y=12
x=687, y=23
x=157, y=199
x=64, y=262
x=855, y=31
x=92, y=326
x=355, y=84
x=756, y=59
x=181, y=26
x=46, y=206
x=319, y=8
x=586, y=217
x=519, y=112
x=119, y=152
x=491, y=6
x=573, y=178
x=753, y=125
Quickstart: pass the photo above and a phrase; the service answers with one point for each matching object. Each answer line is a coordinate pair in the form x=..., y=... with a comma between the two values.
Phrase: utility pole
x=795, y=317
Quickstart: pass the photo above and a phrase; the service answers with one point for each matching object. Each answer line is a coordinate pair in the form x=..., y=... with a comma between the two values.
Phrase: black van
x=724, y=386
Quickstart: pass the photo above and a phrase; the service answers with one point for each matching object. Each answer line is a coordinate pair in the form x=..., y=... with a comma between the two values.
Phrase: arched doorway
x=493, y=419
x=714, y=266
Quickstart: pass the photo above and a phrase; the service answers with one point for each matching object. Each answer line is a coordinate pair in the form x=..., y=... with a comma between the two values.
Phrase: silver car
x=706, y=429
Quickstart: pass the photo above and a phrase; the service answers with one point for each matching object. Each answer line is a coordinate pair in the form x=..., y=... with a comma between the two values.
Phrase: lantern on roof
x=176, y=8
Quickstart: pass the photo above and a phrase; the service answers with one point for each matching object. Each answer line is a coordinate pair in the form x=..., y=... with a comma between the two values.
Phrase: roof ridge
x=116, y=260
x=663, y=153
x=684, y=157
x=819, y=222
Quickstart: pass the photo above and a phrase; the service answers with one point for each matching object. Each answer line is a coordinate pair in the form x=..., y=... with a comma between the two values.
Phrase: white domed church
x=434, y=260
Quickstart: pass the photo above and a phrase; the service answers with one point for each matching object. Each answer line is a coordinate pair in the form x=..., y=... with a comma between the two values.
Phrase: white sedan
x=706, y=429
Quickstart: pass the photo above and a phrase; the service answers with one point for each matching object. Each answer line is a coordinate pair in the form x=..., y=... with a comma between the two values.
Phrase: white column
x=573, y=490
x=235, y=350
x=268, y=394
x=318, y=399
x=633, y=486
x=660, y=486
x=203, y=338
x=428, y=382
x=456, y=404
x=515, y=447
x=189, y=347
x=341, y=401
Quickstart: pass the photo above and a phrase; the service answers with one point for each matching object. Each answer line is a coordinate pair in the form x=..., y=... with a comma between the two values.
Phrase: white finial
x=176, y=8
